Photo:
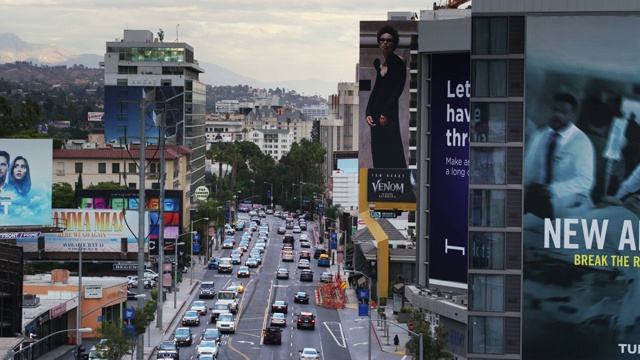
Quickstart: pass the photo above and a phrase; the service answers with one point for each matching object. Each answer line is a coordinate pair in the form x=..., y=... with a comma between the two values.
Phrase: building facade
x=141, y=69
x=273, y=142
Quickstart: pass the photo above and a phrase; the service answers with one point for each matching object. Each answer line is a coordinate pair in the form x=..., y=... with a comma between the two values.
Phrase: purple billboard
x=450, y=115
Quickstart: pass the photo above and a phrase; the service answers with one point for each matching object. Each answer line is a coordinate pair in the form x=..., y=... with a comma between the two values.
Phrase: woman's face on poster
x=20, y=169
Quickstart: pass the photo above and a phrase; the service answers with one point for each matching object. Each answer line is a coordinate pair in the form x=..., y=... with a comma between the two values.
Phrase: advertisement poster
x=581, y=240
x=451, y=92
x=128, y=200
x=25, y=182
x=122, y=113
x=94, y=230
x=384, y=93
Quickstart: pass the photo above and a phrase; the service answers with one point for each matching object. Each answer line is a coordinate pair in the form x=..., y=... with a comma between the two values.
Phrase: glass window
x=102, y=168
x=487, y=207
x=489, y=35
x=133, y=168
x=487, y=293
x=489, y=78
x=122, y=82
x=486, y=334
x=487, y=165
x=115, y=168
x=78, y=167
x=489, y=122
x=487, y=250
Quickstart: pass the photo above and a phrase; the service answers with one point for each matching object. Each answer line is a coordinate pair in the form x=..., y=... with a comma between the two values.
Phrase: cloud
x=266, y=40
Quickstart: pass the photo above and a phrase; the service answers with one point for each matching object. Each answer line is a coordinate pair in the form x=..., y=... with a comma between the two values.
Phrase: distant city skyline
x=268, y=41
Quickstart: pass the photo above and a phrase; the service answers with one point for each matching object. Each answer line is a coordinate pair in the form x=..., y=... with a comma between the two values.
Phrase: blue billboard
x=122, y=113
x=450, y=115
x=25, y=182
x=581, y=222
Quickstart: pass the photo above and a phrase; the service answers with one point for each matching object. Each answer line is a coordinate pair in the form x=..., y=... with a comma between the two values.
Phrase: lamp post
x=270, y=194
x=80, y=330
x=368, y=310
x=193, y=232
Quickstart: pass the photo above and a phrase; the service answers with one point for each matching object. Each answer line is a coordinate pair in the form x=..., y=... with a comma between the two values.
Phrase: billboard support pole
x=147, y=97
x=161, y=220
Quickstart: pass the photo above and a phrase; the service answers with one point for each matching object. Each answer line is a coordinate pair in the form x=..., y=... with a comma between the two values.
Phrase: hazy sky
x=263, y=39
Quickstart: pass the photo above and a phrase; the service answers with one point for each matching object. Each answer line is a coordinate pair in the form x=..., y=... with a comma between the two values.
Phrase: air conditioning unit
x=30, y=300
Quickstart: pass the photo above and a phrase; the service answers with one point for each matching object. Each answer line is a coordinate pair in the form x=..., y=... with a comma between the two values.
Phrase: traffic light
x=80, y=353
x=295, y=197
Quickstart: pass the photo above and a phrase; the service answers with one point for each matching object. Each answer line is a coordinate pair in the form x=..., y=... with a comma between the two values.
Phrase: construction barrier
x=331, y=295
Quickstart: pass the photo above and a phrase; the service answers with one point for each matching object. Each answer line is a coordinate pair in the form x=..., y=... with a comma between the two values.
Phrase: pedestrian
x=200, y=258
x=396, y=341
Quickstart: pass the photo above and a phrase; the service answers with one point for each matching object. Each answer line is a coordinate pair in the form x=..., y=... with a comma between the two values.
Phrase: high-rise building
x=551, y=187
x=166, y=75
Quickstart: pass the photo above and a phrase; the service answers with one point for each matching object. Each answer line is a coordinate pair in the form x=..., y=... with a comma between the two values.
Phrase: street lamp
x=80, y=330
x=270, y=194
x=193, y=232
x=368, y=308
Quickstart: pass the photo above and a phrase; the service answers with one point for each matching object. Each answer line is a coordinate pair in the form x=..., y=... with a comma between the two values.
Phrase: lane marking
x=342, y=341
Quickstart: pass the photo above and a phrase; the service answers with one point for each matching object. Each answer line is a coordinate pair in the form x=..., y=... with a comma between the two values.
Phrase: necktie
x=551, y=148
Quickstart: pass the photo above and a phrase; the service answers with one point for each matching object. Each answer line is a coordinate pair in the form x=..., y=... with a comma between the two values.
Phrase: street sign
x=383, y=214
x=363, y=294
x=129, y=314
x=363, y=310
x=196, y=237
x=321, y=205
x=125, y=267
x=344, y=285
x=201, y=193
x=334, y=236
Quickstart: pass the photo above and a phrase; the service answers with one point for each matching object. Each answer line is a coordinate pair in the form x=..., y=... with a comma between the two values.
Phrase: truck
x=225, y=265
x=228, y=297
x=217, y=309
x=272, y=335
x=168, y=350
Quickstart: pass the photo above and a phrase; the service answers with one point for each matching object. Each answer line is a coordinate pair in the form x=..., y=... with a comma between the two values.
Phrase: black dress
x=386, y=141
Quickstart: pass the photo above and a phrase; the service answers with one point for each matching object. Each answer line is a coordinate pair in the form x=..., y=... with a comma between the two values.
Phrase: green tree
x=79, y=184
x=107, y=185
x=432, y=348
x=117, y=342
x=63, y=196
x=29, y=115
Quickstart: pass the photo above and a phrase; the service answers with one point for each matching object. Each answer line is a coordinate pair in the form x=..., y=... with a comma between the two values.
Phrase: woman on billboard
x=382, y=109
x=20, y=176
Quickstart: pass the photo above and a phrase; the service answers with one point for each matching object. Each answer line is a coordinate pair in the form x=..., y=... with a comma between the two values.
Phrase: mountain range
x=13, y=48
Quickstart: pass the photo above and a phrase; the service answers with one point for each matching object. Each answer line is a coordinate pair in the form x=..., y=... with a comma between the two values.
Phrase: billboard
x=581, y=284
x=450, y=118
x=128, y=200
x=384, y=94
x=122, y=113
x=95, y=116
x=96, y=230
x=25, y=182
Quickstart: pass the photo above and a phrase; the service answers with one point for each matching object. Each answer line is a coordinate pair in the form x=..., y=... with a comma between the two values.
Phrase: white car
x=303, y=264
x=226, y=323
x=303, y=237
x=296, y=229
x=151, y=274
x=309, y=353
x=207, y=347
x=132, y=282
x=200, y=307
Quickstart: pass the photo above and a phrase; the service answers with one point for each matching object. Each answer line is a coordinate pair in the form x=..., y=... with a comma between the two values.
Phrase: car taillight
x=313, y=321
x=299, y=320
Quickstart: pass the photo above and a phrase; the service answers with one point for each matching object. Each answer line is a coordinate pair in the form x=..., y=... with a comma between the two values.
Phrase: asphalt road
x=261, y=289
